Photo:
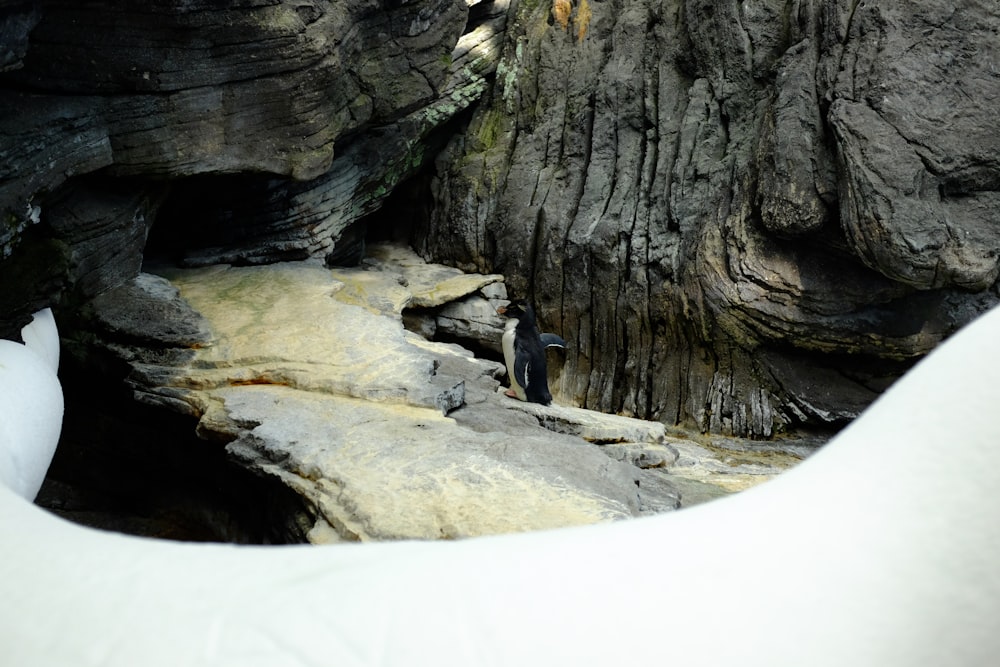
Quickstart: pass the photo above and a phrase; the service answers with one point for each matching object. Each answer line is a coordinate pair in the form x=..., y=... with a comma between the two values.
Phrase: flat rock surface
x=309, y=376
x=429, y=285
x=709, y=467
x=391, y=471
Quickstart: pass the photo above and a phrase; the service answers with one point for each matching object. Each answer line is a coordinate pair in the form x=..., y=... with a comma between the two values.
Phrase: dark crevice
x=141, y=470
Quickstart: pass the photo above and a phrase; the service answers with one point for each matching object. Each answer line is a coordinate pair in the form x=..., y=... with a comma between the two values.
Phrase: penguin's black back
x=528, y=349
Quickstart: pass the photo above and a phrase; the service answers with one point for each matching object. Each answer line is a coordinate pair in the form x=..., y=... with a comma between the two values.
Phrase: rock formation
x=308, y=376
x=296, y=119
x=747, y=218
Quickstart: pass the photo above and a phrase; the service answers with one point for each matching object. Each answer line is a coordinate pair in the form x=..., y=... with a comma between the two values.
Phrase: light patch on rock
x=430, y=284
x=390, y=471
x=592, y=426
x=294, y=324
x=309, y=376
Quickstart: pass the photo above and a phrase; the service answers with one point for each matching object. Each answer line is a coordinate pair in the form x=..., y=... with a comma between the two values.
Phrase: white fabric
x=31, y=405
x=42, y=336
x=883, y=549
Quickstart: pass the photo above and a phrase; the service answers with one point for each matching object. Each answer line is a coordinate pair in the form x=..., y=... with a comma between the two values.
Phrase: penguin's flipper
x=522, y=365
x=552, y=340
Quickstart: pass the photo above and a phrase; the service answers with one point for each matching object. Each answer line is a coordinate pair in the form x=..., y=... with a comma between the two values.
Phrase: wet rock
x=733, y=464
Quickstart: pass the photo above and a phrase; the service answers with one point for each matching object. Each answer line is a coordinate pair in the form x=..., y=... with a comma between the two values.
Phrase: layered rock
x=309, y=377
x=746, y=216
x=279, y=125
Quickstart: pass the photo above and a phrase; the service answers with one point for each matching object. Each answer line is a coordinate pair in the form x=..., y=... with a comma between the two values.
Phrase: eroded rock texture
x=253, y=131
x=743, y=216
x=746, y=215
x=307, y=376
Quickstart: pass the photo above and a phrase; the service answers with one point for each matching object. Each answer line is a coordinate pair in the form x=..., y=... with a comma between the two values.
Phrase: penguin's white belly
x=507, y=343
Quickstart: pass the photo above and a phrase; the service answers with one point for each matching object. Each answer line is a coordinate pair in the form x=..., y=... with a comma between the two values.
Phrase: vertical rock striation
x=743, y=216
x=749, y=216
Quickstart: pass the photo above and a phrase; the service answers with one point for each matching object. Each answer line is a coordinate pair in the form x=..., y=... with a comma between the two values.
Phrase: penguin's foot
x=511, y=393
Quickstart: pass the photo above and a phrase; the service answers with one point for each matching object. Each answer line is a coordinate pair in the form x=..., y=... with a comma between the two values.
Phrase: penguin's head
x=517, y=309
x=520, y=310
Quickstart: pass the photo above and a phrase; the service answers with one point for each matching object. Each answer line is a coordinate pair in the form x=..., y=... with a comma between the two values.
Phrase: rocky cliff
x=748, y=215
x=745, y=217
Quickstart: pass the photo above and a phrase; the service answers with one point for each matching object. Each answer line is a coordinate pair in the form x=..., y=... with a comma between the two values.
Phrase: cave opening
x=139, y=469
x=224, y=218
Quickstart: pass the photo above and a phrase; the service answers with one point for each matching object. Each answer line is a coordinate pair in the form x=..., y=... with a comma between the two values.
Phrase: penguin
x=524, y=352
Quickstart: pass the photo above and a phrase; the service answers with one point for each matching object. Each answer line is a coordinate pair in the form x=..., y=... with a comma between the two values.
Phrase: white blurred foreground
x=893, y=562
x=31, y=405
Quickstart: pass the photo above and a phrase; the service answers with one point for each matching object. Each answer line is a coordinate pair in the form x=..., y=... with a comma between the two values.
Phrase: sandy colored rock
x=308, y=374
x=590, y=425
x=284, y=324
x=390, y=471
x=429, y=285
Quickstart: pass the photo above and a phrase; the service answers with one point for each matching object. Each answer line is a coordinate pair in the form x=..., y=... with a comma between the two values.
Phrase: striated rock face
x=750, y=216
x=277, y=125
x=308, y=376
x=178, y=88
